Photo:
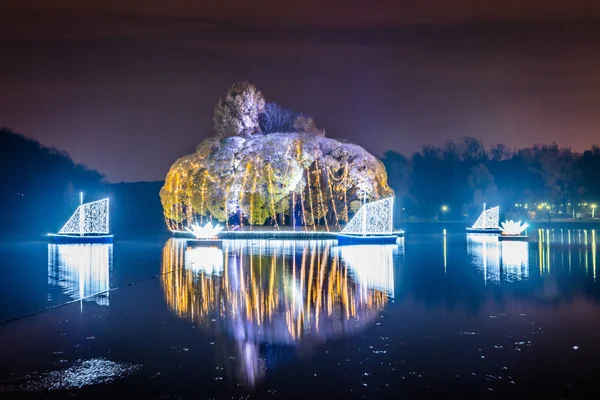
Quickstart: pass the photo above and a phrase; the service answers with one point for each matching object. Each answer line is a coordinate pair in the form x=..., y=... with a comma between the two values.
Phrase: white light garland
x=207, y=231
x=513, y=228
x=373, y=218
x=488, y=219
x=88, y=218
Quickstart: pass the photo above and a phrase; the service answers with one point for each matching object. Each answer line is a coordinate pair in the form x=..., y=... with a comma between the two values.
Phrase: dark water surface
x=445, y=315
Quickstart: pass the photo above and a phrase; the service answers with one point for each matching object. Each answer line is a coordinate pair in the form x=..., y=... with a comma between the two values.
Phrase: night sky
x=129, y=86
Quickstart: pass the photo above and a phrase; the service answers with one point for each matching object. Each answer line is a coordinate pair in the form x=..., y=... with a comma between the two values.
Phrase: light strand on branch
x=318, y=183
x=312, y=211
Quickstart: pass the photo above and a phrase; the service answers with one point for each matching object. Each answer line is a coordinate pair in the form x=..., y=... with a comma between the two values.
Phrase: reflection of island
x=285, y=294
x=80, y=270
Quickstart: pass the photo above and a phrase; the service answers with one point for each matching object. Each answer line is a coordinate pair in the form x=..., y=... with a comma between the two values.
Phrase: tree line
x=39, y=190
x=452, y=182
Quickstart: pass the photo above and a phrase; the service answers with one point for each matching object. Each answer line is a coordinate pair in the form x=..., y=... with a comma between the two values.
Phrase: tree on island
x=276, y=119
x=262, y=168
x=237, y=114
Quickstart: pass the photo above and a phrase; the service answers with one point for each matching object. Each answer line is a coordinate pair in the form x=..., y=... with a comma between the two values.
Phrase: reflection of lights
x=207, y=231
x=515, y=260
x=81, y=270
x=580, y=247
x=513, y=228
x=499, y=260
x=445, y=250
x=372, y=266
x=277, y=292
x=206, y=259
x=485, y=252
x=594, y=252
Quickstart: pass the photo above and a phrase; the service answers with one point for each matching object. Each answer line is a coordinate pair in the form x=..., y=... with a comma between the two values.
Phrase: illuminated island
x=268, y=166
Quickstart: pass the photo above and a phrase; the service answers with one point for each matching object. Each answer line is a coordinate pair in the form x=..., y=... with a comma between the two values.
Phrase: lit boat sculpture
x=487, y=221
x=88, y=224
x=512, y=230
x=373, y=223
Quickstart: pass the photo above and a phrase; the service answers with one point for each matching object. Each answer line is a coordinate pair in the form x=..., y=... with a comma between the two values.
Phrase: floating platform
x=83, y=239
x=513, y=238
x=204, y=242
x=345, y=239
x=491, y=231
x=278, y=235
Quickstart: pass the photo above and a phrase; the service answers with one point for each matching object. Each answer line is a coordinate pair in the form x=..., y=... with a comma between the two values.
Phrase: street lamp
x=444, y=208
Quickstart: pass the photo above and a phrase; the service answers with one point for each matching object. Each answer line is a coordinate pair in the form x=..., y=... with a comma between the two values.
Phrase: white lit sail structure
x=89, y=218
x=375, y=218
x=488, y=220
x=88, y=224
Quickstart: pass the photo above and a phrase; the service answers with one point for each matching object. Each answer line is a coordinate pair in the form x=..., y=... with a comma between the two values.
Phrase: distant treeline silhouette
x=41, y=185
x=539, y=182
x=40, y=189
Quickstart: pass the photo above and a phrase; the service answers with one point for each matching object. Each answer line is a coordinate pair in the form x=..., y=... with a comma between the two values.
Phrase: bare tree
x=276, y=119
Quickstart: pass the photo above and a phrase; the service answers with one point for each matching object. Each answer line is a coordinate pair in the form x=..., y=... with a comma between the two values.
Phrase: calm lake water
x=445, y=315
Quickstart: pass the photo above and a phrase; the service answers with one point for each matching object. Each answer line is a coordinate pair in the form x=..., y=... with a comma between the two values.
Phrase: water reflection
x=572, y=249
x=484, y=250
x=284, y=294
x=514, y=260
x=80, y=271
x=561, y=250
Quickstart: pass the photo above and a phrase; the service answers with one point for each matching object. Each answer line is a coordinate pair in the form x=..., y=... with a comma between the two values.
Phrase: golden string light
x=312, y=211
x=252, y=194
x=318, y=183
x=303, y=211
x=293, y=211
x=334, y=183
x=271, y=195
x=241, y=199
x=203, y=194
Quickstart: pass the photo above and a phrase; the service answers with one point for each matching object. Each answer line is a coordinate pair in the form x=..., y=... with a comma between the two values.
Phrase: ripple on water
x=87, y=372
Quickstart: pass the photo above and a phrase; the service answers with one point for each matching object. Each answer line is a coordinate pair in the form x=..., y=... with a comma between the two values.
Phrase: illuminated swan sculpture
x=207, y=231
x=513, y=228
